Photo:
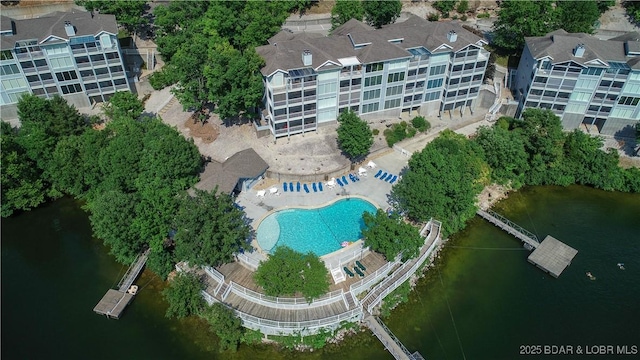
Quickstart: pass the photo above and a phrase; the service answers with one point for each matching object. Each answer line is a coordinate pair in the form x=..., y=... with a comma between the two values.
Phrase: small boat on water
x=621, y=266
x=590, y=276
x=133, y=289
x=345, y=243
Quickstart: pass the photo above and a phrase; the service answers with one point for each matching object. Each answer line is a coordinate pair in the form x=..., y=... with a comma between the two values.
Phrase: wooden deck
x=242, y=276
x=113, y=303
x=552, y=256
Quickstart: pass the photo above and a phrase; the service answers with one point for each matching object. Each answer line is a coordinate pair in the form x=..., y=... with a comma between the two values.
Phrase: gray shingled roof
x=245, y=164
x=560, y=45
x=285, y=51
x=53, y=24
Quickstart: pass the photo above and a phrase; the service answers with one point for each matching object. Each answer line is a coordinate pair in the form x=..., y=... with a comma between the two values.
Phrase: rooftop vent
x=306, y=57
x=69, y=29
x=579, y=51
x=452, y=36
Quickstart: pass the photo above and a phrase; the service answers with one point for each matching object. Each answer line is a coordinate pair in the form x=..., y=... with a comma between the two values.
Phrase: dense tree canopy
x=123, y=104
x=390, y=235
x=129, y=14
x=505, y=153
x=225, y=324
x=287, y=272
x=209, y=49
x=381, y=12
x=354, y=135
x=518, y=19
x=442, y=182
x=209, y=229
x=184, y=295
x=345, y=10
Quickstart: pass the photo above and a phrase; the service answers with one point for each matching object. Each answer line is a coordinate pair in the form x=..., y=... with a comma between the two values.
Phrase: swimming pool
x=320, y=230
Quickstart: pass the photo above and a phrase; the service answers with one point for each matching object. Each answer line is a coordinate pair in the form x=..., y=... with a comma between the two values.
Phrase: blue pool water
x=320, y=230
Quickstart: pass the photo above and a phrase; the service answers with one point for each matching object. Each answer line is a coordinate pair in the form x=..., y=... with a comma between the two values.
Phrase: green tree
x=210, y=229
x=381, y=12
x=390, y=235
x=225, y=324
x=444, y=6
x=123, y=104
x=443, y=181
x=345, y=10
x=505, y=153
x=21, y=185
x=287, y=272
x=184, y=295
x=129, y=14
x=354, y=135
x=463, y=7
x=604, y=5
x=420, y=123
x=518, y=19
x=578, y=16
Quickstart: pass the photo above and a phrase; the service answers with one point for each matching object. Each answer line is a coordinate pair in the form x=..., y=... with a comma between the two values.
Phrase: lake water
x=483, y=301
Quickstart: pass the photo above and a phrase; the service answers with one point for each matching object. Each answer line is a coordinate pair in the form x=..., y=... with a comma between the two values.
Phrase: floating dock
x=552, y=256
x=113, y=303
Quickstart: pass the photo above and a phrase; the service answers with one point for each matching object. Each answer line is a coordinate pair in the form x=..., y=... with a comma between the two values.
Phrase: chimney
x=579, y=51
x=69, y=29
x=306, y=57
x=452, y=36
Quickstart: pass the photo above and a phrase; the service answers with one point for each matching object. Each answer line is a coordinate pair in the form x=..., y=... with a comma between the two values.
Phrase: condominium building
x=414, y=66
x=582, y=79
x=72, y=54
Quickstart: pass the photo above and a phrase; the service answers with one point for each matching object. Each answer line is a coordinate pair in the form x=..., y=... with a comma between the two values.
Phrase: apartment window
x=33, y=78
x=413, y=72
x=536, y=92
x=605, y=83
x=417, y=97
x=97, y=57
x=38, y=92
x=592, y=71
x=326, y=88
x=617, y=84
x=454, y=81
x=605, y=109
x=419, y=84
x=477, y=77
x=632, y=89
x=344, y=83
x=540, y=79
x=392, y=103
x=599, y=96
x=580, y=96
x=622, y=113
x=463, y=92
x=82, y=59
x=6, y=55
x=119, y=81
x=550, y=93
x=26, y=64
x=563, y=95
x=367, y=108
x=434, y=83
x=468, y=66
x=40, y=62
x=559, y=107
x=481, y=64
x=66, y=75
x=451, y=94
x=577, y=108
x=61, y=62
x=375, y=67
x=612, y=97
x=457, y=68
x=394, y=90
x=85, y=73
x=112, y=55
x=9, y=69
x=104, y=84
x=407, y=99
x=410, y=86
x=309, y=93
x=70, y=89
x=628, y=100
x=395, y=77
x=465, y=79
x=437, y=70
x=554, y=82
x=46, y=76
x=101, y=71
x=473, y=90
x=587, y=84
x=423, y=70
x=10, y=84
x=430, y=96
x=373, y=80
x=371, y=94
x=594, y=107
x=91, y=86
x=51, y=90
x=115, y=69
x=356, y=82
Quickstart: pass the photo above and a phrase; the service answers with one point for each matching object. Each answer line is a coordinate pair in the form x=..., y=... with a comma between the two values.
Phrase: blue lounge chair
x=359, y=264
x=315, y=187
x=393, y=179
x=298, y=186
x=347, y=271
x=339, y=182
x=352, y=178
x=320, y=186
x=384, y=175
x=344, y=180
x=291, y=186
x=306, y=188
x=358, y=271
x=284, y=186
x=388, y=177
x=378, y=174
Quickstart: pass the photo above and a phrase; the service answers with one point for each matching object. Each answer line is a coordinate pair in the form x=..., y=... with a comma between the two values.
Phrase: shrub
x=433, y=17
x=463, y=7
x=376, y=132
x=484, y=15
x=463, y=17
x=398, y=132
x=420, y=123
x=454, y=17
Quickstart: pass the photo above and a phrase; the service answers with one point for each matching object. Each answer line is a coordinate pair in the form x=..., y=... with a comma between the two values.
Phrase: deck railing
x=364, y=284
x=286, y=302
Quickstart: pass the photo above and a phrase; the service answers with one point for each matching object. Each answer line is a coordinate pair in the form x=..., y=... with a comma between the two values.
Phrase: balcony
x=113, y=61
x=104, y=76
x=23, y=56
x=79, y=51
x=93, y=91
x=117, y=74
x=122, y=87
x=280, y=103
x=280, y=117
x=88, y=78
x=99, y=63
x=31, y=70
x=310, y=112
x=294, y=101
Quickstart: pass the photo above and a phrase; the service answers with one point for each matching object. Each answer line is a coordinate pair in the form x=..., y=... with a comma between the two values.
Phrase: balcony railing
x=280, y=103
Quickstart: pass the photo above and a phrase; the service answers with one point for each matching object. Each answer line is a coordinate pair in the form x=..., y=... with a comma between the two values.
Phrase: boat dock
x=550, y=255
x=114, y=301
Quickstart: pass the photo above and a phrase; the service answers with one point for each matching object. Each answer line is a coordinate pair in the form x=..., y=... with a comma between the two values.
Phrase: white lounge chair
x=362, y=171
x=274, y=191
x=261, y=193
x=371, y=165
x=331, y=183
